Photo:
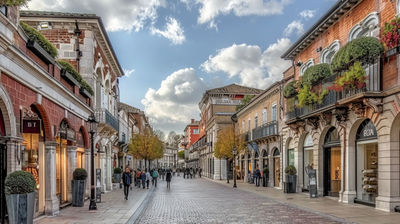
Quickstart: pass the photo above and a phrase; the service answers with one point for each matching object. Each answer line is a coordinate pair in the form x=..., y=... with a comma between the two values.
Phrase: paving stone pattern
x=203, y=201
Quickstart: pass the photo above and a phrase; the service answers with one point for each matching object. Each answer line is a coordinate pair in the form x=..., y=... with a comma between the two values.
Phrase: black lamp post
x=93, y=127
x=234, y=166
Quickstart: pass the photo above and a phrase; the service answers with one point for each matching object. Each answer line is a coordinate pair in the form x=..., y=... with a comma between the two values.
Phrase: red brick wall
x=340, y=30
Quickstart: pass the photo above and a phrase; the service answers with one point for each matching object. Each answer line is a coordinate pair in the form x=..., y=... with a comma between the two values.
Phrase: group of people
x=191, y=172
x=141, y=178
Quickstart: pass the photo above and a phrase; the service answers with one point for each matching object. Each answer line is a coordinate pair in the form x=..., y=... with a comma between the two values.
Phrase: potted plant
x=265, y=176
x=20, y=192
x=117, y=175
x=291, y=178
x=390, y=36
x=78, y=187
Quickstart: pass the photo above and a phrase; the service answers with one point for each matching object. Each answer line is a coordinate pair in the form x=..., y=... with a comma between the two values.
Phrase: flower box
x=40, y=52
x=69, y=78
x=84, y=92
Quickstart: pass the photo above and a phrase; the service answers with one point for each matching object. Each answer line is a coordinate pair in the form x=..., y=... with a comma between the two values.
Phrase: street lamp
x=234, y=166
x=93, y=127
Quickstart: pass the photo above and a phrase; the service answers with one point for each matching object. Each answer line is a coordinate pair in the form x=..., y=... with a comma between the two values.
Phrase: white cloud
x=307, y=14
x=254, y=67
x=173, y=31
x=173, y=105
x=125, y=15
x=210, y=9
x=294, y=26
x=128, y=72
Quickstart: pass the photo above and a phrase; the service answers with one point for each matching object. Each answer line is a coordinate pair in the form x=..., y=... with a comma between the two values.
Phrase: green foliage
x=265, y=170
x=290, y=170
x=308, y=96
x=20, y=182
x=317, y=73
x=13, y=2
x=70, y=69
x=117, y=170
x=353, y=78
x=290, y=89
x=79, y=174
x=246, y=100
x=36, y=36
x=181, y=154
x=363, y=49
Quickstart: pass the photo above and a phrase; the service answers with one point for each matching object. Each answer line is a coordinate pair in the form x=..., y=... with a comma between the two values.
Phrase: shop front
x=33, y=156
x=332, y=163
x=308, y=157
x=290, y=153
x=3, y=170
x=80, y=151
x=265, y=159
x=277, y=167
x=366, y=163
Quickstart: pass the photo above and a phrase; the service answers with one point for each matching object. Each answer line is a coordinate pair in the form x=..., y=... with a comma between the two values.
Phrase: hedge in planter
x=363, y=49
x=36, y=36
x=291, y=178
x=20, y=189
x=70, y=69
x=78, y=187
x=354, y=78
x=317, y=73
x=290, y=89
x=14, y=2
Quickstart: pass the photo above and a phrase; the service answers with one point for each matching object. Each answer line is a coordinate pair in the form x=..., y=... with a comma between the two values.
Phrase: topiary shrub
x=70, y=69
x=363, y=49
x=265, y=170
x=117, y=170
x=290, y=90
x=80, y=174
x=20, y=182
x=290, y=170
x=36, y=36
x=317, y=73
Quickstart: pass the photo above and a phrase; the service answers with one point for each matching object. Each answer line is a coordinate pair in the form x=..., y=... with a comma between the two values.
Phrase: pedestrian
x=138, y=178
x=257, y=176
x=143, y=178
x=126, y=179
x=148, y=178
x=168, y=178
x=151, y=174
x=200, y=170
x=191, y=172
x=184, y=173
x=155, y=176
x=163, y=173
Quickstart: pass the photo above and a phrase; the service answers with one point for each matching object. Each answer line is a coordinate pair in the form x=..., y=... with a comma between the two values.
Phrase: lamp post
x=93, y=127
x=234, y=166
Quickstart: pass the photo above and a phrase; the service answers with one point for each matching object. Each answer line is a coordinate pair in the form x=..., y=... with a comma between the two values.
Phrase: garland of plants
x=36, y=36
x=70, y=69
x=348, y=59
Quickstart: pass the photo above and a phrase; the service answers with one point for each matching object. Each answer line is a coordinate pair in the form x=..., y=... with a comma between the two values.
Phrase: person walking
x=143, y=178
x=147, y=178
x=138, y=178
x=200, y=170
x=258, y=176
x=168, y=178
x=155, y=176
x=126, y=180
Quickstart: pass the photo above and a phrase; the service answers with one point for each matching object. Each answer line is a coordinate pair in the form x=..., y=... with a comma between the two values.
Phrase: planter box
x=40, y=52
x=69, y=78
x=21, y=208
x=78, y=192
x=117, y=177
x=291, y=180
x=392, y=51
x=84, y=92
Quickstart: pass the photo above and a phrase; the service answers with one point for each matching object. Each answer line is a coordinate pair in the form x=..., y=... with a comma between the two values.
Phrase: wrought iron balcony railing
x=103, y=116
x=266, y=130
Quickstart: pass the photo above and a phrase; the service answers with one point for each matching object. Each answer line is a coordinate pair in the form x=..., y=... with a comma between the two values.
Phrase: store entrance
x=3, y=175
x=332, y=163
x=277, y=168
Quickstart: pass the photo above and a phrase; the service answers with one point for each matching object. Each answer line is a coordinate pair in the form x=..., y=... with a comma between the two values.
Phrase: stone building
x=217, y=106
x=43, y=118
x=260, y=121
x=351, y=137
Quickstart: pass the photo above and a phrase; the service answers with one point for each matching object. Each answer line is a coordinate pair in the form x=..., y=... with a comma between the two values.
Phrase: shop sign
x=31, y=126
x=367, y=132
x=68, y=134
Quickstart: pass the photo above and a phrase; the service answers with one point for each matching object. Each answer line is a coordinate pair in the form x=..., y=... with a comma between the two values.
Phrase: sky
x=173, y=50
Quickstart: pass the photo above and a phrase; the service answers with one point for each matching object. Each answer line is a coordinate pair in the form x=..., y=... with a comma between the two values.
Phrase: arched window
x=306, y=65
x=330, y=51
x=369, y=27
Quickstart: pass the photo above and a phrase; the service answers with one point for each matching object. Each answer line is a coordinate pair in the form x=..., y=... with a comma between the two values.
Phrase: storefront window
x=308, y=160
x=291, y=157
x=332, y=163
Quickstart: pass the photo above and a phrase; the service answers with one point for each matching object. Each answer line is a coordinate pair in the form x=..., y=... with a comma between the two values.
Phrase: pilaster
x=52, y=206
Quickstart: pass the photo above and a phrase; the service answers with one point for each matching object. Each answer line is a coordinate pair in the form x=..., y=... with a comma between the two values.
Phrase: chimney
x=192, y=121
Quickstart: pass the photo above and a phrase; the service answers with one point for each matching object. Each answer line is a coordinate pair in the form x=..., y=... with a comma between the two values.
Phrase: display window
x=291, y=157
x=332, y=163
x=277, y=168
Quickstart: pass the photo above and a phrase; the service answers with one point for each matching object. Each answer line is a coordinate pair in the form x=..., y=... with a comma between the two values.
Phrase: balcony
x=372, y=88
x=105, y=118
x=266, y=130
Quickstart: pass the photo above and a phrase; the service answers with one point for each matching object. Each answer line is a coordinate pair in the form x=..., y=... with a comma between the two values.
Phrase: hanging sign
x=31, y=126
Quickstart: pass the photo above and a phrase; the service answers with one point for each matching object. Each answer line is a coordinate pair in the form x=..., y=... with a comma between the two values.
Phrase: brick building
x=192, y=133
x=350, y=137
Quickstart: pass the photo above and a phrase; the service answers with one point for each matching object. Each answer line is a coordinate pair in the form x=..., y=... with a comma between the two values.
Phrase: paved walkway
x=351, y=212
x=112, y=209
x=201, y=201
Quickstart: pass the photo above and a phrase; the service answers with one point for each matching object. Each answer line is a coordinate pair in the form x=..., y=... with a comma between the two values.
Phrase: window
x=243, y=128
x=369, y=26
x=196, y=131
x=305, y=66
x=255, y=121
x=274, y=115
x=249, y=127
x=264, y=116
x=330, y=51
x=3, y=10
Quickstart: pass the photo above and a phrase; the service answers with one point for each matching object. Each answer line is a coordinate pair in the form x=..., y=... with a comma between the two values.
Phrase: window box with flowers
x=390, y=36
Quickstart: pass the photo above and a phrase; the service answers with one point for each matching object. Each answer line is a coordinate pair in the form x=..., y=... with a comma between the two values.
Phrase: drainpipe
x=77, y=32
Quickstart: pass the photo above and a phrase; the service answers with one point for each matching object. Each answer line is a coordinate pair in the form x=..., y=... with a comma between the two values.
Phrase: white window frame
x=306, y=65
x=329, y=52
x=264, y=115
x=369, y=26
x=276, y=112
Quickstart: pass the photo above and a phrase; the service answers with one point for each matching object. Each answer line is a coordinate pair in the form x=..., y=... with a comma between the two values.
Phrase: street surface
x=202, y=201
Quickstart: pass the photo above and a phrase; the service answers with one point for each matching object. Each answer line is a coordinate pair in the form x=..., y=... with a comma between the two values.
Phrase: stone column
x=108, y=171
x=103, y=171
x=14, y=158
x=71, y=166
x=246, y=168
x=271, y=166
x=52, y=206
x=87, y=167
x=350, y=184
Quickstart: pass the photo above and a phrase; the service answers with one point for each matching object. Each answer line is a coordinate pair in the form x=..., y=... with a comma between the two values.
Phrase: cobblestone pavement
x=203, y=201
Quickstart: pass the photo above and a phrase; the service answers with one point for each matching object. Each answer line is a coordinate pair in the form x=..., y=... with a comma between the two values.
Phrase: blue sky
x=173, y=50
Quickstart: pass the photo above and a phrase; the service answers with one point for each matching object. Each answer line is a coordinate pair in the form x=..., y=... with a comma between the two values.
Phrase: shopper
x=147, y=178
x=168, y=178
x=143, y=178
x=257, y=176
x=126, y=180
x=155, y=177
x=200, y=170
